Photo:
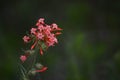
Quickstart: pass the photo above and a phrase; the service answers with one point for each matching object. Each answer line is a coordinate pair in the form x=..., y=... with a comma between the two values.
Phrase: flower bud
x=38, y=66
x=23, y=58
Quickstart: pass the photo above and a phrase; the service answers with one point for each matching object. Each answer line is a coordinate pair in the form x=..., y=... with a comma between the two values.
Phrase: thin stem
x=34, y=60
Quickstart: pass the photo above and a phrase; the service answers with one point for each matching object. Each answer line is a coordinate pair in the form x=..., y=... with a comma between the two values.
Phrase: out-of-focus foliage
x=88, y=49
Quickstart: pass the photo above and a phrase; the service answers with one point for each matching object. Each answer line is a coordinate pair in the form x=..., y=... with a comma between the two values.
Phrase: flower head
x=44, y=33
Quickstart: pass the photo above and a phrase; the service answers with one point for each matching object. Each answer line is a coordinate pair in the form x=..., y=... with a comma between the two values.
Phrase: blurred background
x=88, y=49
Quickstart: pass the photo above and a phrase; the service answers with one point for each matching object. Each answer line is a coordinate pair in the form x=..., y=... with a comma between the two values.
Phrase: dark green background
x=88, y=49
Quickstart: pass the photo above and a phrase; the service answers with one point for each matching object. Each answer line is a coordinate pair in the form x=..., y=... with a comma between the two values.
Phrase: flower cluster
x=43, y=33
x=41, y=36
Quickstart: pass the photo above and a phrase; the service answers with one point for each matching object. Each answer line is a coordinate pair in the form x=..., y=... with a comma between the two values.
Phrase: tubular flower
x=41, y=51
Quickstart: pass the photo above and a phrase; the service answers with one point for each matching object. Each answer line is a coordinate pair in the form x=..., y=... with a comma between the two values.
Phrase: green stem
x=34, y=60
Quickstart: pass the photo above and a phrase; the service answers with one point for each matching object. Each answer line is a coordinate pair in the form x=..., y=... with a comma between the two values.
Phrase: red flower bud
x=33, y=45
x=42, y=70
x=41, y=51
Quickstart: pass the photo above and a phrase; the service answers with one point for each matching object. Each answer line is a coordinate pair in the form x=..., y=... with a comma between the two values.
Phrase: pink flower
x=40, y=27
x=51, y=40
x=40, y=36
x=48, y=27
x=54, y=26
x=26, y=39
x=33, y=31
x=55, y=40
x=47, y=30
x=40, y=21
x=23, y=58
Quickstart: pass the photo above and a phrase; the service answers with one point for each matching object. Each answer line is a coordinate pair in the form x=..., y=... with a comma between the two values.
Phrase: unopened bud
x=39, y=66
